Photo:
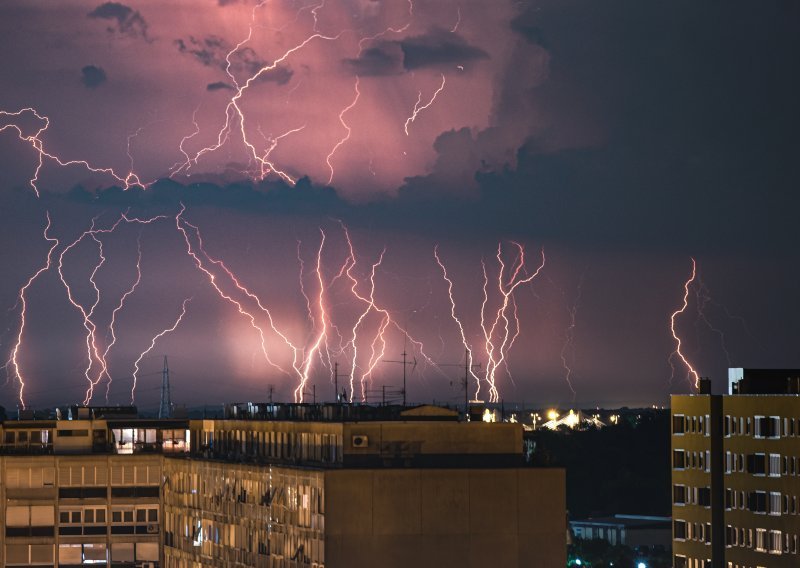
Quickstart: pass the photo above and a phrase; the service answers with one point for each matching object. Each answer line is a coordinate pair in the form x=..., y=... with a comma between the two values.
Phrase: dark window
x=757, y=501
x=72, y=433
x=757, y=463
x=679, y=494
x=678, y=459
x=82, y=493
x=42, y=531
x=135, y=491
x=679, y=528
x=677, y=424
x=69, y=531
x=679, y=562
x=704, y=496
x=122, y=529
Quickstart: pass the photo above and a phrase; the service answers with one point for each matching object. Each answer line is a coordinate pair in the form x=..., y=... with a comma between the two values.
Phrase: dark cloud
x=435, y=48
x=93, y=76
x=127, y=21
x=212, y=51
x=385, y=58
x=218, y=86
x=438, y=47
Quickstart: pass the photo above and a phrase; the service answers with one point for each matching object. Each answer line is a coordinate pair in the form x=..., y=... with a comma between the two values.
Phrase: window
x=704, y=496
x=678, y=426
x=757, y=464
x=761, y=540
x=147, y=514
x=774, y=503
x=120, y=515
x=775, y=542
x=757, y=501
x=731, y=535
x=679, y=494
x=678, y=459
x=72, y=433
x=774, y=465
x=679, y=529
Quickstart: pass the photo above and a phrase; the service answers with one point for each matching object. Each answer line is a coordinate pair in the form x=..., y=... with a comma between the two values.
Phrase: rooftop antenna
x=165, y=409
x=465, y=381
x=405, y=363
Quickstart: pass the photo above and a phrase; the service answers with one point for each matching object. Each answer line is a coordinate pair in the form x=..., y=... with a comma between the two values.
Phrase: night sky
x=612, y=142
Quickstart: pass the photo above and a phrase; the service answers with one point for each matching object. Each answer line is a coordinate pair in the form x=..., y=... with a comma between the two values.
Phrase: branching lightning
x=499, y=335
x=419, y=108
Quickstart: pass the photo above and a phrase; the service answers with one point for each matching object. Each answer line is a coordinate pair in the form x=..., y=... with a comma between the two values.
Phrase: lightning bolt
x=181, y=224
x=322, y=334
x=458, y=322
x=92, y=349
x=346, y=136
x=128, y=180
x=158, y=336
x=419, y=108
x=363, y=41
x=119, y=307
x=454, y=29
x=569, y=337
x=235, y=116
x=677, y=352
x=498, y=336
x=13, y=360
x=497, y=350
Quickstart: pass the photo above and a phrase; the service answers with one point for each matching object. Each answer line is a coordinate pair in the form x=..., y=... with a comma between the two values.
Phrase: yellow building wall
x=445, y=517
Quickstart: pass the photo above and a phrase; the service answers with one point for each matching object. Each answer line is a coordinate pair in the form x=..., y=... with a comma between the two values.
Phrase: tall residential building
x=276, y=486
x=735, y=472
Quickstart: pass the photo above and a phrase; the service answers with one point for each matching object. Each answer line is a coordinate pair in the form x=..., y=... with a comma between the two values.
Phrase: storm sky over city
x=311, y=183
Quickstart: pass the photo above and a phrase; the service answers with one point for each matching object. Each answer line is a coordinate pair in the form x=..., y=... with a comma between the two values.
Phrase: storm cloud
x=126, y=21
x=93, y=76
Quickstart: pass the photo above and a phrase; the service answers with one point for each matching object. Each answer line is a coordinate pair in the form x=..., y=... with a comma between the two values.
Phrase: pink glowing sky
x=623, y=139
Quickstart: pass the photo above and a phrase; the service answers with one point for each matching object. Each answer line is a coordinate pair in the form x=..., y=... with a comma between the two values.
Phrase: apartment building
x=735, y=472
x=276, y=486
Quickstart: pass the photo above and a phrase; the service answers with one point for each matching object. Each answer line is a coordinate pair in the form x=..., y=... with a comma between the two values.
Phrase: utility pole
x=336, y=381
x=165, y=409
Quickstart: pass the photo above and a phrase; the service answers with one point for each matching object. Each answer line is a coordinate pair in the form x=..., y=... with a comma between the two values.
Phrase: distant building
x=633, y=531
x=274, y=486
x=736, y=472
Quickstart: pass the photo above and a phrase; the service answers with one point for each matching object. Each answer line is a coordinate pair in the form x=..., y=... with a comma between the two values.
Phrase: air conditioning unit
x=360, y=441
x=152, y=528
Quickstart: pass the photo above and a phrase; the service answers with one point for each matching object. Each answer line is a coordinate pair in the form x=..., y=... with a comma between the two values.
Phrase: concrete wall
x=445, y=517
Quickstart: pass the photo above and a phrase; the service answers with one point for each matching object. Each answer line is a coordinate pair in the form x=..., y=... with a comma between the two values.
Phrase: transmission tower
x=165, y=409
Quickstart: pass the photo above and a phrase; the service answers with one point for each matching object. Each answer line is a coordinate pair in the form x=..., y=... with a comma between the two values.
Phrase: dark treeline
x=617, y=469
